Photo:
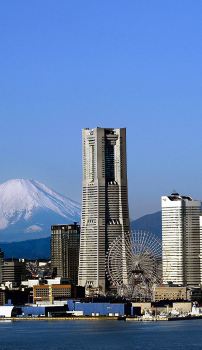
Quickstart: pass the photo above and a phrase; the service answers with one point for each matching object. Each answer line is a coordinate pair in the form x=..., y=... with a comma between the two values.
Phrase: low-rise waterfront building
x=56, y=292
x=171, y=293
x=99, y=309
x=164, y=307
x=49, y=293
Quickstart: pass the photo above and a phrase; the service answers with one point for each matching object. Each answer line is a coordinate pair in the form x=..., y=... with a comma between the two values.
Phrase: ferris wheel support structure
x=134, y=264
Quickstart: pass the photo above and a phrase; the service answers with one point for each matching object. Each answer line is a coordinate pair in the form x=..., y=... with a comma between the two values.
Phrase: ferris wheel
x=134, y=264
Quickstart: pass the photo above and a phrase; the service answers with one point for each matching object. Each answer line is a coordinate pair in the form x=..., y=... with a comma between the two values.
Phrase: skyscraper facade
x=65, y=241
x=181, y=240
x=201, y=248
x=105, y=212
x=14, y=271
x=1, y=265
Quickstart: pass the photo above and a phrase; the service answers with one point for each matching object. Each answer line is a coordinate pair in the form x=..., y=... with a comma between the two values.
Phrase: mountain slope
x=31, y=249
x=40, y=248
x=28, y=208
x=149, y=222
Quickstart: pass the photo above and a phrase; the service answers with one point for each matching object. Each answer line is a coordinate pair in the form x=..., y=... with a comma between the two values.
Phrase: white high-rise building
x=104, y=201
x=201, y=248
x=181, y=240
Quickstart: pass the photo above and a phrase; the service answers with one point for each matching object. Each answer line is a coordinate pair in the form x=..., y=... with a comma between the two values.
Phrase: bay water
x=100, y=335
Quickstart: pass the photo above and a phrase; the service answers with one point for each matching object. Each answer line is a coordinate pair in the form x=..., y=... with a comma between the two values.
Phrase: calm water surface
x=100, y=335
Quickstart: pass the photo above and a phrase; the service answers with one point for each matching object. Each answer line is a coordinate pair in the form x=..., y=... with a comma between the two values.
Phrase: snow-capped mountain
x=28, y=208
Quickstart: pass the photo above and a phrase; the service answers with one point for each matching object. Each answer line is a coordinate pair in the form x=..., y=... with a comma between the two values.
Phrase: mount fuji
x=28, y=208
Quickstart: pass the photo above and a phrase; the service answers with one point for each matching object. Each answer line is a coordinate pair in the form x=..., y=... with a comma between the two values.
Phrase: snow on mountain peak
x=20, y=198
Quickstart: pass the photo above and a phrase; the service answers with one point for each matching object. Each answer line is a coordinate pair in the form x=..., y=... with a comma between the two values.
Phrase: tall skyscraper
x=1, y=265
x=181, y=239
x=201, y=248
x=104, y=201
x=65, y=241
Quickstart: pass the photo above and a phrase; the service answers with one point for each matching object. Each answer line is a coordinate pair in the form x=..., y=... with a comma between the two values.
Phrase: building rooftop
x=177, y=197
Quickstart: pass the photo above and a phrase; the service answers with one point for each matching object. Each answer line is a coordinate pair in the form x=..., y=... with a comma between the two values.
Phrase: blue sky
x=66, y=65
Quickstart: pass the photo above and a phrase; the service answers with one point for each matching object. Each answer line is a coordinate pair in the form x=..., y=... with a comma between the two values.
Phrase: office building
x=1, y=265
x=200, y=220
x=181, y=240
x=14, y=271
x=65, y=241
x=104, y=201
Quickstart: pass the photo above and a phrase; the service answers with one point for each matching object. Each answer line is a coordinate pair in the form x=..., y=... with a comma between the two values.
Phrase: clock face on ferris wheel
x=134, y=264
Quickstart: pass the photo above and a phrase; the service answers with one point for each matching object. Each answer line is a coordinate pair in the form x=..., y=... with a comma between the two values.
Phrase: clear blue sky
x=66, y=65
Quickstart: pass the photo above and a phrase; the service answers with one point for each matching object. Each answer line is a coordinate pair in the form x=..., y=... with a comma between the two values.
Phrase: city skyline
x=71, y=66
x=100, y=182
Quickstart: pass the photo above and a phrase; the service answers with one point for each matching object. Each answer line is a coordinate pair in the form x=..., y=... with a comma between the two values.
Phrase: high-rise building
x=1, y=265
x=14, y=271
x=181, y=240
x=65, y=241
x=201, y=248
x=104, y=201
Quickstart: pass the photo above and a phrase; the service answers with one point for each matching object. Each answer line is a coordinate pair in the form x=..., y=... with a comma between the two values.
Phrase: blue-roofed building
x=44, y=310
x=99, y=309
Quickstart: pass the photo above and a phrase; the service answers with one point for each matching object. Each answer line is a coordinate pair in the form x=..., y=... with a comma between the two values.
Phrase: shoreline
x=100, y=318
x=78, y=318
